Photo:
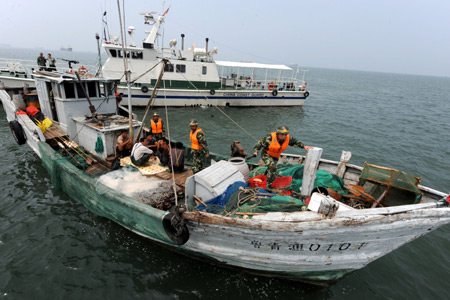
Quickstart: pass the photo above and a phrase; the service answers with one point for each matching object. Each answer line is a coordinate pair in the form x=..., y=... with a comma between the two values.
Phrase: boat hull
x=311, y=248
x=186, y=97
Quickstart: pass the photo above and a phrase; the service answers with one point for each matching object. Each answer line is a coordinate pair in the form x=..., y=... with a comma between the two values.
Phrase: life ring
x=274, y=93
x=17, y=132
x=177, y=238
x=212, y=92
x=306, y=94
x=144, y=89
x=82, y=70
x=271, y=86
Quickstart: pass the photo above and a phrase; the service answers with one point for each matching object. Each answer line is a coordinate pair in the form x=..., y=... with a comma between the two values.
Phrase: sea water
x=52, y=247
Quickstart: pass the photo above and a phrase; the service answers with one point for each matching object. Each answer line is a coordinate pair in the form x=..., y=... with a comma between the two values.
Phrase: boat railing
x=25, y=68
x=249, y=83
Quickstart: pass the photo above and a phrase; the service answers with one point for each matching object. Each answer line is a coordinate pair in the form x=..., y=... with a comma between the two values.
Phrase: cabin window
x=204, y=69
x=113, y=53
x=119, y=53
x=137, y=55
x=92, y=89
x=181, y=68
x=58, y=89
x=69, y=89
x=168, y=68
x=80, y=92
x=109, y=90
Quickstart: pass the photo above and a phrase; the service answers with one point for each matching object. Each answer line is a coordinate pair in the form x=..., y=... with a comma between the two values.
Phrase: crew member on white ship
x=157, y=127
x=140, y=154
x=41, y=62
x=51, y=63
x=123, y=144
x=273, y=145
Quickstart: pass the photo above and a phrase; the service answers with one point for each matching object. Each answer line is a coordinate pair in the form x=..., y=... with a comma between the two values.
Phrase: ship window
x=204, y=69
x=136, y=55
x=119, y=53
x=108, y=89
x=113, y=53
x=181, y=68
x=80, y=91
x=168, y=68
x=69, y=89
x=92, y=89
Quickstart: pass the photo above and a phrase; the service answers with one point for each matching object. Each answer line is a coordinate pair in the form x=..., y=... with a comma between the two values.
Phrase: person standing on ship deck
x=273, y=145
x=157, y=127
x=51, y=63
x=41, y=62
x=199, y=147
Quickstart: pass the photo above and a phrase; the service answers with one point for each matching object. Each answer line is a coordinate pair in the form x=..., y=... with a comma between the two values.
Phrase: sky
x=394, y=36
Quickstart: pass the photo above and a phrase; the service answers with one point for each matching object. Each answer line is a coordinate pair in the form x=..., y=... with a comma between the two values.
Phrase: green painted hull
x=101, y=200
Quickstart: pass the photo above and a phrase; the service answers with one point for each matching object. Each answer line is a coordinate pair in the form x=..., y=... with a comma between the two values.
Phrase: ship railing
x=249, y=83
x=26, y=67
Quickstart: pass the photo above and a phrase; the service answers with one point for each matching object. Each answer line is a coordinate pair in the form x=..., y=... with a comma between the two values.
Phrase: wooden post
x=345, y=157
x=309, y=172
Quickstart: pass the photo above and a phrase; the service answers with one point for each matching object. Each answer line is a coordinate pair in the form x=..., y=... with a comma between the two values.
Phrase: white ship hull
x=185, y=97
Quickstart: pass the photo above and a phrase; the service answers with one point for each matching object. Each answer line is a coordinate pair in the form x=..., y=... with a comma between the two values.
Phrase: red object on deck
x=283, y=183
x=261, y=181
x=32, y=110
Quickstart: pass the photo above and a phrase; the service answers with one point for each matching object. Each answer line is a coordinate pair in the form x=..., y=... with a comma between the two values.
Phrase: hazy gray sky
x=401, y=36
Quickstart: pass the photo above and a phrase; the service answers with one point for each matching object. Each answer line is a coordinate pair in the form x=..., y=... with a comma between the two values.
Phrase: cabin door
x=43, y=98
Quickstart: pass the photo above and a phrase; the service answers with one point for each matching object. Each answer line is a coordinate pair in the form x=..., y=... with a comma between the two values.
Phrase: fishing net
x=323, y=178
x=240, y=198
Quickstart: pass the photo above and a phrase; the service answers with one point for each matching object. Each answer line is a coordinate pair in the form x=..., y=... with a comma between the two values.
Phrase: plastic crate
x=261, y=181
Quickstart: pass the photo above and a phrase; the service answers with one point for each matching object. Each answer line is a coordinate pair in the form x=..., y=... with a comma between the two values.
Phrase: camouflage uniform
x=41, y=62
x=199, y=156
x=270, y=161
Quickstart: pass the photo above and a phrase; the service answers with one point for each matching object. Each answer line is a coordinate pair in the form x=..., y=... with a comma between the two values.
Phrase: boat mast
x=99, y=70
x=127, y=73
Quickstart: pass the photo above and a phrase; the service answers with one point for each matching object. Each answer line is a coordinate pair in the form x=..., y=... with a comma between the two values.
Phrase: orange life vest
x=195, y=145
x=156, y=127
x=275, y=148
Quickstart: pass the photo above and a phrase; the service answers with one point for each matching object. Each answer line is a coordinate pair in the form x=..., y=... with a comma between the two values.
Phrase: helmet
x=283, y=129
x=155, y=114
x=193, y=122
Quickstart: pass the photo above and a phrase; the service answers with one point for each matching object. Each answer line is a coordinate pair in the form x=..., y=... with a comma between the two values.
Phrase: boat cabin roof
x=251, y=65
x=68, y=77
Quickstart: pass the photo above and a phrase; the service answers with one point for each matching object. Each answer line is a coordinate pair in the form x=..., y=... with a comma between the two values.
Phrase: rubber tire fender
x=171, y=231
x=144, y=89
x=306, y=94
x=212, y=92
x=17, y=132
x=274, y=93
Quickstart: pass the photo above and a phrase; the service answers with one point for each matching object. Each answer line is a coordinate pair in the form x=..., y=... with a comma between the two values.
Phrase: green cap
x=283, y=129
x=193, y=122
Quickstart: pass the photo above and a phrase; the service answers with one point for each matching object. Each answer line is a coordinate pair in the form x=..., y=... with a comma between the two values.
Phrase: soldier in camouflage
x=273, y=145
x=41, y=62
x=199, y=147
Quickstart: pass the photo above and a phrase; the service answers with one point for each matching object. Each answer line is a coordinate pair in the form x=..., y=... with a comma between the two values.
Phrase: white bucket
x=242, y=166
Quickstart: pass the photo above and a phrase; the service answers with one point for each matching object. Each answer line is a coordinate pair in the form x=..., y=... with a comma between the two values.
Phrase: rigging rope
x=174, y=186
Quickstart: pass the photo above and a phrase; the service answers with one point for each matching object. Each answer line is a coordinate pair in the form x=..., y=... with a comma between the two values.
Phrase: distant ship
x=68, y=49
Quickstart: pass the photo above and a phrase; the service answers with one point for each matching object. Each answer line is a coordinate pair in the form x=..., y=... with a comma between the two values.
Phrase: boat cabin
x=67, y=102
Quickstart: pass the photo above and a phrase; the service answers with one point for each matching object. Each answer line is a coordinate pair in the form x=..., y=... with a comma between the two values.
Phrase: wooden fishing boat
x=303, y=245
